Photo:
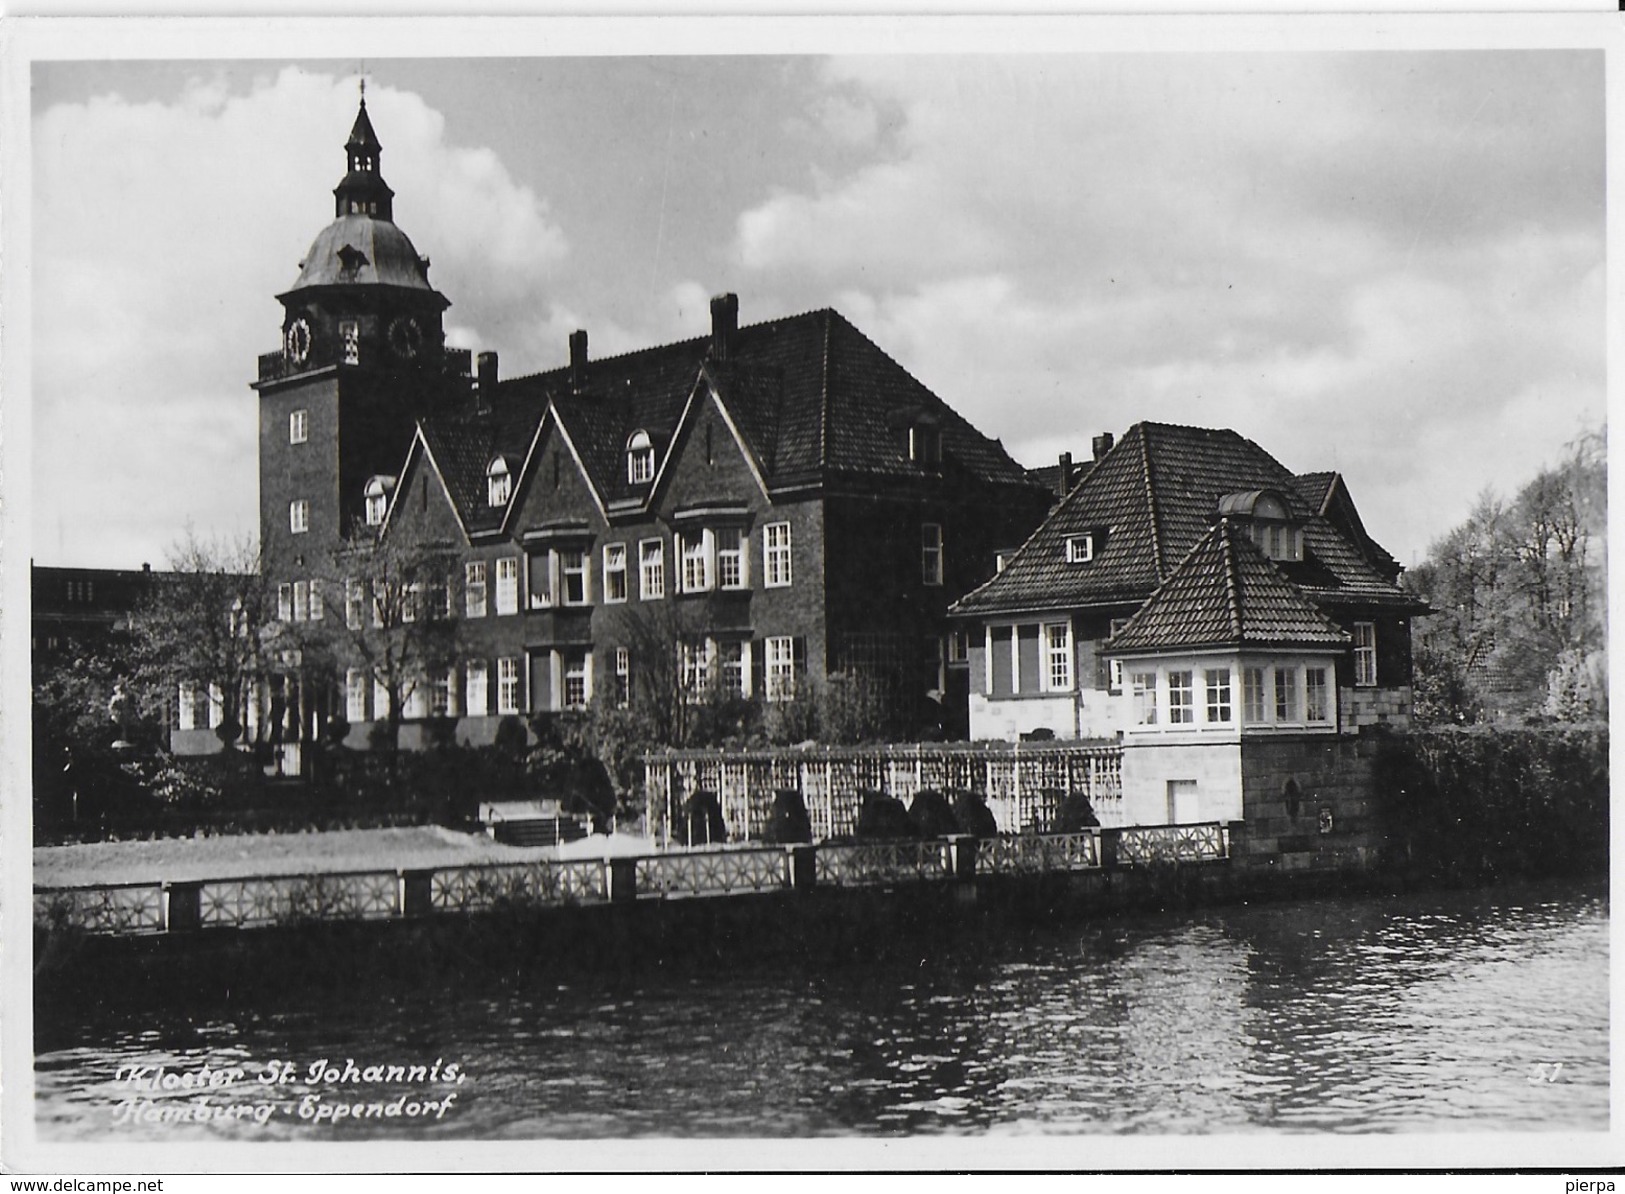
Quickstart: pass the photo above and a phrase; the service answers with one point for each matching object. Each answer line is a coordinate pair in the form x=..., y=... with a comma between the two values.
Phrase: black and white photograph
x=842, y=593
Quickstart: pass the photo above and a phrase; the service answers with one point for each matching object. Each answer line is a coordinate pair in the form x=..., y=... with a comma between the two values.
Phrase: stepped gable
x=811, y=396
x=1147, y=503
x=1226, y=593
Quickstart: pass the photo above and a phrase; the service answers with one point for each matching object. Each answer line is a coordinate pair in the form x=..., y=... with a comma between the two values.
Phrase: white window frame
x=1317, y=681
x=477, y=693
x=572, y=563
x=695, y=572
x=355, y=604
x=508, y=689
x=640, y=459
x=301, y=600
x=507, y=601
x=1365, y=654
x=779, y=673
x=1055, y=670
x=1114, y=668
x=1287, y=699
x=298, y=516
x=1181, y=712
x=577, y=670
x=651, y=569
x=932, y=555
x=1143, y=693
x=1080, y=549
x=355, y=695
x=616, y=589
x=1256, y=704
x=476, y=596
x=298, y=426
x=377, y=503
x=1219, y=706
x=498, y=482
x=623, y=677
x=733, y=558
x=777, y=568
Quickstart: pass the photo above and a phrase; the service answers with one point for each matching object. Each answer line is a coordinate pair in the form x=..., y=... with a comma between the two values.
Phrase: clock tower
x=362, y=358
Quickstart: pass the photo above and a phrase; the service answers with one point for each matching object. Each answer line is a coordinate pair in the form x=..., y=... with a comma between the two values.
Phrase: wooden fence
x=1024, y=783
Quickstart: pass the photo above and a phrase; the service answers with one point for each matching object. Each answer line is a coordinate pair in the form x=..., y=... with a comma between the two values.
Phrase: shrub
x=972, y=814
x=702, y=823
x=883, y=816
x=789, y=821
x=931, y=815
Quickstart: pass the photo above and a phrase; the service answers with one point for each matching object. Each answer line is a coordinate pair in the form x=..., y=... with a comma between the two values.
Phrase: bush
x=1076, y=813
x=972, y=814
x=789, y=821
x=1481, y=803
x=702, y=823
x=883, y=816
x=931, y=815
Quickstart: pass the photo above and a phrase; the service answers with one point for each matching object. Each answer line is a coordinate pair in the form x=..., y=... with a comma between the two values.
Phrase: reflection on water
x=1470, y=1011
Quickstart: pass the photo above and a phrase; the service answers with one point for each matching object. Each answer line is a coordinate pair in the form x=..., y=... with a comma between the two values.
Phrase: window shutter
x=758, y=668
x=799, y=648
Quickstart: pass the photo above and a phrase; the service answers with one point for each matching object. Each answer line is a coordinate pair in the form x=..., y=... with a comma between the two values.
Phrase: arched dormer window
x=640, y=458
x=378, y=491
x=1269, y=522
x=498, y=484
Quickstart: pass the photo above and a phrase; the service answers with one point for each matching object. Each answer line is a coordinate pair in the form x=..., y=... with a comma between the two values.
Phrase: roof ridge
x=823, y=394
x=1232, y=578
x=1151, y=501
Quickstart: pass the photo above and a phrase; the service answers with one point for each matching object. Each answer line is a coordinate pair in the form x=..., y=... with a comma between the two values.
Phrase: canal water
x=1464, y=1011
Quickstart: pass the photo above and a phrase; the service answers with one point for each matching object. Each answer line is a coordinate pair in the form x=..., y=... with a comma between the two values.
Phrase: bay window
x=1144, y=688
x=1316, y=699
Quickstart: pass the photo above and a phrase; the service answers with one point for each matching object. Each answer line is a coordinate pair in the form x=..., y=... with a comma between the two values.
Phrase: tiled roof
x=810, y=394
x=1147, y=503
x=1226, y=593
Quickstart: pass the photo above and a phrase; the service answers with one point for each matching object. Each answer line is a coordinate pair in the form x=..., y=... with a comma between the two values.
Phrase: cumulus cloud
x=1341, y=256
x=162, y=231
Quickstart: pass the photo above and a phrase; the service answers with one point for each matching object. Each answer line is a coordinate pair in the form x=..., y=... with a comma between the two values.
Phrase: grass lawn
x=227, y=857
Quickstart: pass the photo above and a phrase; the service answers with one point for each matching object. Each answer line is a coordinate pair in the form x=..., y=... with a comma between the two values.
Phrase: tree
x=386, y=615
x=202, y=628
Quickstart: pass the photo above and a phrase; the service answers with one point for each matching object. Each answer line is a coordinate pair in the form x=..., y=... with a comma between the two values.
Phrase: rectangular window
x=651, y=570
x=508, y=685
x=1114, y=669
x=355, y=695
x=1253, y=695
x=299, y=516
x=958, y=646
x=776, y=554
x=1286, y=694
x=577, y=680
x=573, y=581
x=350, y=334
x=355, y=603
x=1080, y=549
x=508, y=585
x=443, y=696
x=1144, y=688
x=732, y=572
x=1058, y=657
x=1365, y=654
x=931, y=553
x=476, y=697
x=1181, y=698
x=316, y=601
x=781, y=668
x=1316, y=699
x=614, y=573
x=186, y=709
x=411, y=601
x=284, y=603
x=1218, y=695
x=298, y=426
x=380, y=700
x=695, y=658
x=415, y=702
x=735, y=658
x=696, y=562
x=623, y=677
x=301, y=600
x=474, y=589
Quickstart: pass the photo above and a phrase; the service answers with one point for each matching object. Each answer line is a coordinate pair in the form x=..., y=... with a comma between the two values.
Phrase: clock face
x=296, y=341
x=406, y=337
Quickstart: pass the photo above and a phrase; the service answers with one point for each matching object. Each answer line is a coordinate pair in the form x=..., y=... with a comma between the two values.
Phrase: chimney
x=1103, y=443
x=485, y=366
x=724, y=323
x=1063, y=482
x=578, y=361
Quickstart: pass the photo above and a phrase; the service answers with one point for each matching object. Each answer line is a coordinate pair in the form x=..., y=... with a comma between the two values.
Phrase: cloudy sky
x=1389, y=264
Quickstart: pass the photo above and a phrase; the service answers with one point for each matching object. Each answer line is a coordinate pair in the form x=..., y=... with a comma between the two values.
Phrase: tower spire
x=363, y=191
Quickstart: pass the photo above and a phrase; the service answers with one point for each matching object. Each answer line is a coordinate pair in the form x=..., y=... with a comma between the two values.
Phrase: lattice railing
x=862, y=863
x=124, y=909
x=712, y=872
x=1142, y=845
x=260, y=901
x=480, y=888
x=1032, y=854
x=1023, y=783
